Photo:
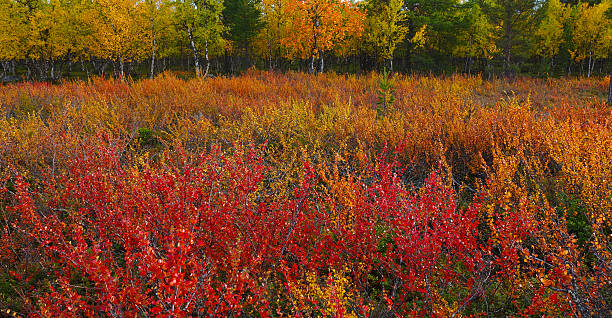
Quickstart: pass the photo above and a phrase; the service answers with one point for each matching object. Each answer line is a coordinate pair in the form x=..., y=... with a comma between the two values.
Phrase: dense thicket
x=51, y=39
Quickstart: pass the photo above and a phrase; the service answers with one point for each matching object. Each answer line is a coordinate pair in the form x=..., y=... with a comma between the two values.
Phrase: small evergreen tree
x=386, y=91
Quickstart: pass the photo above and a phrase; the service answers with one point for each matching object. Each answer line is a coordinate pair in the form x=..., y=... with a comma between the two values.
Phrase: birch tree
x=157, y=19
x=385, y=28
x=118, y=32
x=200, y=20
x=592, y=34
x=319, y=26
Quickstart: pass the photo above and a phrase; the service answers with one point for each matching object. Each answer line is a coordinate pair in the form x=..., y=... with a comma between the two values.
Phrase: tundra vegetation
x=293, y=194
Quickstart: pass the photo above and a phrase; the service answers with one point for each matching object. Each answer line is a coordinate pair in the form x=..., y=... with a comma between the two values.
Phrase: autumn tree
x=550, y=33
x=46, y=40
x=267, y=42
x=118, y=32
x=13, y=33
x=592, y=34
x=477, y=38
x=315, y=27
x=59, y=35
x=158, y=17
x=201, y=21
x=385, y=28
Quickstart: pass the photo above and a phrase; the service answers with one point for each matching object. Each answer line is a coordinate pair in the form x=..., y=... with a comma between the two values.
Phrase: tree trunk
x=315, y=26
x=321, y=64
x=552, y=66
x=469, y=66
x=195, y=52
x=226, y=62
x=12, y=66
x=507, y=46
x=589, y=68
x=207, y=60
x=84, y=69
x=311, y=68
x=507, y=59
x=4, y=64
x=247, y=51
x=52, y=69
x=70, y=64
x=29, y=70
x=115, y=69
x=94, y=69
x=121, y=67
x=610, y=87
x=152, y=72
x=41, y=66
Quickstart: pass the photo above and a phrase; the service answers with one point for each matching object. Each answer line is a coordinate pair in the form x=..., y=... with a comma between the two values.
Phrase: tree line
x=52, y=39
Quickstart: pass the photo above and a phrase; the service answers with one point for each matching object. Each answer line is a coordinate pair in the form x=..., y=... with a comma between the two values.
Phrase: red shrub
x=179, y=238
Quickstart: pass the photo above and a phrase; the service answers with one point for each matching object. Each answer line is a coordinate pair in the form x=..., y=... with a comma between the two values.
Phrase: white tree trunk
x=321, y=64
x=51, y=73
x=152, y=72
x=207, y=60
x=121, y=72
x=195, y=52
x=311, y=67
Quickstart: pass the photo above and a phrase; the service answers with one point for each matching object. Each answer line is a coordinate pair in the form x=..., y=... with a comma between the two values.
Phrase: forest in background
x=54, y=39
